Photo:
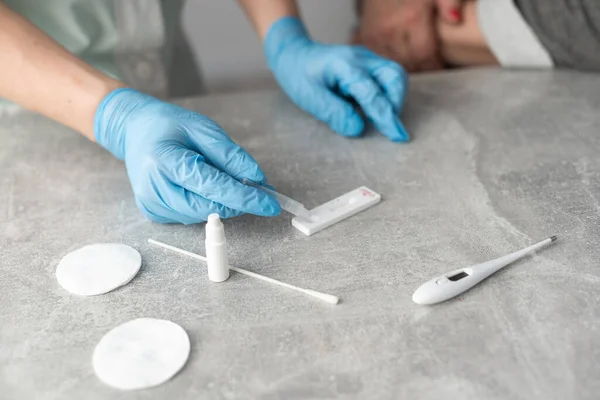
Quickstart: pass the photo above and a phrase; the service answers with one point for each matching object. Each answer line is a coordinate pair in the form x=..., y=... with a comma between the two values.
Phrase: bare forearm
x=263, y=13
x=40, y=75
x=464, y=44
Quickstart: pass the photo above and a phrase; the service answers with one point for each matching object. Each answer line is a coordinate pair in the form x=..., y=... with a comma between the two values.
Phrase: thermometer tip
x=553, y=238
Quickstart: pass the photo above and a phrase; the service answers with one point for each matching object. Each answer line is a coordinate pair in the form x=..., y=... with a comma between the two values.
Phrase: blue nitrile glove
x=317, y=77
x=181, y=165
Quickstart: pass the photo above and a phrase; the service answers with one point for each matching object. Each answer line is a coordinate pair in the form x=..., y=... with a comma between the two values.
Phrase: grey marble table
x=498, y=160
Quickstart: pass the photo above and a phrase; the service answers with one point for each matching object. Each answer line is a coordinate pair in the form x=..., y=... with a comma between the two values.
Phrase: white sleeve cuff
x=509, y=36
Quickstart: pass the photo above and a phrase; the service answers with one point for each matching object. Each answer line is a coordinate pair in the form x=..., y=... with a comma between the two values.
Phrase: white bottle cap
x=215, y=231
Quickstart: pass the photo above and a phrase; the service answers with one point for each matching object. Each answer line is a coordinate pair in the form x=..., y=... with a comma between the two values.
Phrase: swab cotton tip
x=329, y=298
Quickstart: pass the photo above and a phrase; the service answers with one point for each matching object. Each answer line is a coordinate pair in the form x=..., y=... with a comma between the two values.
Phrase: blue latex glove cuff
x=109, y=119
x=281, y=32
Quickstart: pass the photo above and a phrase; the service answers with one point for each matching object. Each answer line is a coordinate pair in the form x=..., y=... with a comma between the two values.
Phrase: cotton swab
x=329, y=298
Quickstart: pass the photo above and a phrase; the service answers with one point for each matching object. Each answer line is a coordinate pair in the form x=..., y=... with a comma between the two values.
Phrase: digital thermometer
x=455, y=282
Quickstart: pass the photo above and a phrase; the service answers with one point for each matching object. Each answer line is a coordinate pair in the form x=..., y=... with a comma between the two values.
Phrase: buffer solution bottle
x=216, y=249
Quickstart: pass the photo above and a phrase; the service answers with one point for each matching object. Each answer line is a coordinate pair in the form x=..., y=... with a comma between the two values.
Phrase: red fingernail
x=455, y=13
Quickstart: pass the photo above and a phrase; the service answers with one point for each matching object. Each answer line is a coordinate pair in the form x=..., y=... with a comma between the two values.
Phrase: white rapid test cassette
x=336, y=210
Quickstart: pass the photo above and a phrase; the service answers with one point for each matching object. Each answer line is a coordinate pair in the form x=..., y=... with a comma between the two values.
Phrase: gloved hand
x=320, y=78
x=181, y=165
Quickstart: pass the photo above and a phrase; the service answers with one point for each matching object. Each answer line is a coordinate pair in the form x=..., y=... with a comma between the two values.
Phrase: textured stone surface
x=499, y=160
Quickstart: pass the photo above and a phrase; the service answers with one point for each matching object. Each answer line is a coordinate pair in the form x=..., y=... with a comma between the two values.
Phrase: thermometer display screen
x=458, y=276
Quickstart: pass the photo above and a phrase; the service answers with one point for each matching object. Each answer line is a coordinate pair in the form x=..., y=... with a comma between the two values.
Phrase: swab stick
x=329, y=298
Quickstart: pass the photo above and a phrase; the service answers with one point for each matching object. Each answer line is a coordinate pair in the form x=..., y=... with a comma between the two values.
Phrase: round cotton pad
x=141, y=353
x=98, y=268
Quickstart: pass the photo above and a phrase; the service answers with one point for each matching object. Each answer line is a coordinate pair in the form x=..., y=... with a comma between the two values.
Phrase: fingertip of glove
x=257, y=176
x=251, y=179
x=400, y=139
x=266, y=206
x=401, y=134
x=352, y=126
x=271, y=208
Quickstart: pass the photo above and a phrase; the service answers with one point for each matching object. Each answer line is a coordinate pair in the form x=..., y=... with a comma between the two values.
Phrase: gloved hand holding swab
x=288, y=204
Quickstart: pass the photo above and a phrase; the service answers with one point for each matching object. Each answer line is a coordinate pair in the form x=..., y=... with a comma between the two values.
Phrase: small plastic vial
x=216, y=249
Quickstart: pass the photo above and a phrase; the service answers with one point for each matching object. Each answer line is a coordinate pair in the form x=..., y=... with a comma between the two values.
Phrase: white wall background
x=228, y=51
